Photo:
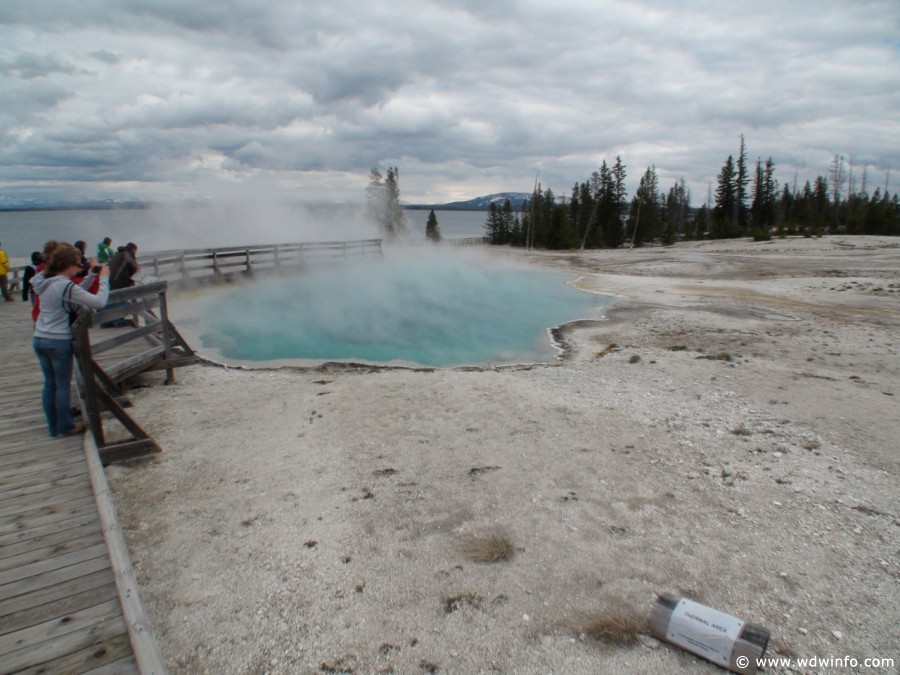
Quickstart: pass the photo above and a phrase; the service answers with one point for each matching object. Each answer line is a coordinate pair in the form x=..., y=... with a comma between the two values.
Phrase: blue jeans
x=56, y=361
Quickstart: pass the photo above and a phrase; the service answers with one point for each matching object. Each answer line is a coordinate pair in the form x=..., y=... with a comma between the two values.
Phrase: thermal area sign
x=704, y=631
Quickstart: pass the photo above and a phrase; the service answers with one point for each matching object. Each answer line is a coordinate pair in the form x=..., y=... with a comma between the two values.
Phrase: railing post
x=82, y=346
x=248, y=263
x=166, y=335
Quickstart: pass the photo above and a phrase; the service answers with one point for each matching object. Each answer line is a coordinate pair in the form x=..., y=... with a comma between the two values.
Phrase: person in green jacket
x=4, y=270
x=104, y=251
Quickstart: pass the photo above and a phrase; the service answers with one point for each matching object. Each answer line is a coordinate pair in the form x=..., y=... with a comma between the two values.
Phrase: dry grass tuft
x=452, y=603
x=488, y=548
x=616, y=628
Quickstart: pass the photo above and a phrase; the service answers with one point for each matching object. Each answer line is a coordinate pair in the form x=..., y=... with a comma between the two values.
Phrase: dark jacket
x=122, y=268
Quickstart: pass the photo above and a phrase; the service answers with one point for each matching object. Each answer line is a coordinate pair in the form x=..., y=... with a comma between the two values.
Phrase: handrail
x=179, y=265
x=185, y=265
x=100, y=385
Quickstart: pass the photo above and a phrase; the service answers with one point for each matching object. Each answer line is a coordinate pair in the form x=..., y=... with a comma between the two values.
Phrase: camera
x=96, y=269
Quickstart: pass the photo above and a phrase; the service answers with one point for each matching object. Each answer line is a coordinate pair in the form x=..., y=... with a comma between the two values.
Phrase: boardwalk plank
x=21, y=453
x=41, y=485
x=105, y=658
x=47, y=498
x=74, y=622
x=90, y=632
x=44, y=515
x=24, y=468
x=61, y=575
x=54, y=562
x=68, y=604
x=47, y=547
x=34, y=601
x=84, y=520
x=121, y=667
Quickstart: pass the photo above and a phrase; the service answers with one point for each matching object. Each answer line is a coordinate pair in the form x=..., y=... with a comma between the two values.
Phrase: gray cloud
x=155, y=97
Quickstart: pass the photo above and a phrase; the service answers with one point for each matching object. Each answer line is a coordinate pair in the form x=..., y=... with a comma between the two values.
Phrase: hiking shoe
x=77, y=429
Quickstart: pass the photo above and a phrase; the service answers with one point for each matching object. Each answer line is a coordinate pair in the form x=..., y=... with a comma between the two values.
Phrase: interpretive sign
x=721, y=638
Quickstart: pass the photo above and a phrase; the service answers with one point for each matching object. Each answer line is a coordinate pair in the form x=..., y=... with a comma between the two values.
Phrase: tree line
x=748, y=202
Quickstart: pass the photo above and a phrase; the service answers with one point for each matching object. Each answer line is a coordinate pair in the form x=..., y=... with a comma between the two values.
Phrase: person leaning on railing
x=59, y=298
x=122, y=269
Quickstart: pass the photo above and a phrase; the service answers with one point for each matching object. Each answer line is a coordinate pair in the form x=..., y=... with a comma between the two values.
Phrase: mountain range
x=516, y=199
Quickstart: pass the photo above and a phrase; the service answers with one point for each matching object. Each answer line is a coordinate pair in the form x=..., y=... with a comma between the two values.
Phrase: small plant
x=612, y=348
x=488, y=548
x=741, y=431
x=721, y=356
x=617, y=628
x=634, y=359
x=454, y=602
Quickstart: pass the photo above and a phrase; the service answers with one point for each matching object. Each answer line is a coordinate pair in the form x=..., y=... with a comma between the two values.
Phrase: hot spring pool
x=425, y=307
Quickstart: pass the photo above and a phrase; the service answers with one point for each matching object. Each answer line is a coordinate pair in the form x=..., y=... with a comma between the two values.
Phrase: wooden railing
x=217, y=263
x=100, y=386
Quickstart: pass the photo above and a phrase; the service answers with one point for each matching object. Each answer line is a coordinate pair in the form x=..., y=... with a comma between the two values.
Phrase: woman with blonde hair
x=59, y=298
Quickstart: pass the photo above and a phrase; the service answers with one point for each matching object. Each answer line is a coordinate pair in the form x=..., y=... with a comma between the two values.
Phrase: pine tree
x=395, y=217
x=613, y=232
x=376, y=200
x=492, y=226
x=432, y=229
x=724, y=213
x=741, y=181
x=644, y=222
x=383, y=202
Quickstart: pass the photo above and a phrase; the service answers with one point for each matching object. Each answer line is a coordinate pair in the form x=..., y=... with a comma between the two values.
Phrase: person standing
x=4, y=270
x=53, y=331
x=123, y=267
x=85, y=265
x=37, y=261
x=104, y=251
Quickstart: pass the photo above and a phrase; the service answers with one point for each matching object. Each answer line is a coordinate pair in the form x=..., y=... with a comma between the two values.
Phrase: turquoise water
x=428, y=308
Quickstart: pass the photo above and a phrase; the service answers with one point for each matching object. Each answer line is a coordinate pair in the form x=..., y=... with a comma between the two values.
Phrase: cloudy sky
x=172, y=100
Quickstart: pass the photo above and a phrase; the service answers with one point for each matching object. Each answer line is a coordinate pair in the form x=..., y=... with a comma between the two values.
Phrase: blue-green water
x=435, y=309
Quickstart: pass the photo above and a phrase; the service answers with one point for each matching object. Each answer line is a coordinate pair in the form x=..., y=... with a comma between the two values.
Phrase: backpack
x=68, y=304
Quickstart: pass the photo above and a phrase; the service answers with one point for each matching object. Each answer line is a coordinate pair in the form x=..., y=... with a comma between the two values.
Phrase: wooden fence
x=100, y=380
x=218, y=263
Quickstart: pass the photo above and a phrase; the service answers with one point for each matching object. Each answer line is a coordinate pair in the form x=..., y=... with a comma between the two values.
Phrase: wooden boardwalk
x=60, y=608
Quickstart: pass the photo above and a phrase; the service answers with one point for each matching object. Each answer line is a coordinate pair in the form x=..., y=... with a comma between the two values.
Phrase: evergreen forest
x=748, y=201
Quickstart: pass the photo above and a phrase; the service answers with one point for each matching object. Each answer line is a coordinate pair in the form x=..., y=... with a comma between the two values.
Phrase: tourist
x=104, y=251
x=49, y=247
x=4, y=270
x=85, y=265
x=123, y=267
x=53, y=331
x=36, y=262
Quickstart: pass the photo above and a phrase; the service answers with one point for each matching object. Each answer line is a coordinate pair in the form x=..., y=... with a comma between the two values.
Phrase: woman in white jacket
x=53, y=332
